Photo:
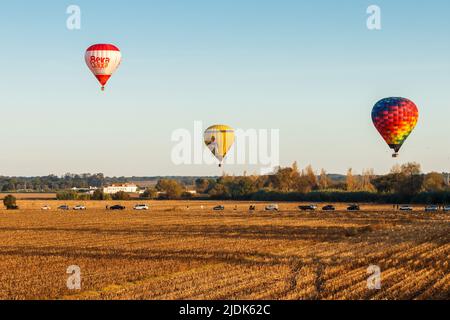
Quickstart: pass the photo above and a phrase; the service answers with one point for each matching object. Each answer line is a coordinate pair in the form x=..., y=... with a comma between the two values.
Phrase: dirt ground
x=185, y=250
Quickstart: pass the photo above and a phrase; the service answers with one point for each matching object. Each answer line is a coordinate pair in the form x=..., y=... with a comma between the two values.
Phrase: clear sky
x=309, y=68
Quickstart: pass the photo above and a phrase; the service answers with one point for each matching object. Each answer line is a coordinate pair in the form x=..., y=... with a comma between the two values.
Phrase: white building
x=128, y=188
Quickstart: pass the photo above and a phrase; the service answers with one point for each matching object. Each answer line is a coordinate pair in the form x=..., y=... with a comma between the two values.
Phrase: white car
x=432, y=208
x=79, y=208
x=46, y=208
x=141, y=207
x=406, y=208
x=272, y=207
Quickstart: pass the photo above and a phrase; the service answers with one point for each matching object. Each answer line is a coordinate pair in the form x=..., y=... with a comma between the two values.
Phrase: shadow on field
x=317, y=233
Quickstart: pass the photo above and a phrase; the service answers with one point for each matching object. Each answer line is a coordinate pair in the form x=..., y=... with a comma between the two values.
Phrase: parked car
x=117, y=207
x=46, y=208
x=406, y=207
x=272, y=207
x=141, y=207
x=446, y=208
x=310, y=207
x=329, y=208
x=79, y=208
x=219, y=208
x=64, y=207
x=353, y=207
x=432, y=208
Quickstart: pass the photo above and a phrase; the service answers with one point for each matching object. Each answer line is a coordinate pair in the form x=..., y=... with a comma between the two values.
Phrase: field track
x=179, y=250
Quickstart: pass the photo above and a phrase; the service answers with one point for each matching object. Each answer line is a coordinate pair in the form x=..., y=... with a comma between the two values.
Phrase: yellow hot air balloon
x=219, y=139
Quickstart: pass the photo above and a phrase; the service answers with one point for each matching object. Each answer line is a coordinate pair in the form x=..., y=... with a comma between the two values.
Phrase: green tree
x=67, y=195
x=121, y=195
x=172, y=189
x=409, y=179
x=100, y=195
x=219, y=191
x=149, y=193
x=202, y=185
x=10, y=202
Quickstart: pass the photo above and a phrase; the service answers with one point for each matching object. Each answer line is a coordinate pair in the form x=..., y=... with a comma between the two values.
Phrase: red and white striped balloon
x=103, y=60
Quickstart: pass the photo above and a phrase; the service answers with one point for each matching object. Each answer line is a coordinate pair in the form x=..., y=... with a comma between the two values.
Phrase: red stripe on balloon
x=99, y=47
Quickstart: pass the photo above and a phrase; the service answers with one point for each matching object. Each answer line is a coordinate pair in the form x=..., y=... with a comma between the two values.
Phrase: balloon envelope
x=219, y=139
x=103, y=60
x=395, y=119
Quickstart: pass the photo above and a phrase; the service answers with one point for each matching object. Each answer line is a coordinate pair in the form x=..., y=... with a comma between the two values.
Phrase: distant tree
x=312, y=178
x=241, y=187
x=171, y=189
x=385, y=184
x=67, y=195
x=219, y=191
x=409, y=181
x=149, y=193
x=350, y=181
x=324, y=181
x=434, y=182
x=187, y=195
x=366, y=181
x=100, y=195
x=202, y=185
x=10, y=202
x=121, y=195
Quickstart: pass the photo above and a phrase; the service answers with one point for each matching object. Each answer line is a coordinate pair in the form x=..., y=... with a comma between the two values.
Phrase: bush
x=121, y=195
x=149, y=194
x=10, y=202
x=67, y=195
x=100, y=195
x=186, y=195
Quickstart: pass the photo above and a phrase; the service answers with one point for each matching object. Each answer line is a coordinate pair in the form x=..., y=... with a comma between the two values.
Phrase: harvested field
x=179, y=250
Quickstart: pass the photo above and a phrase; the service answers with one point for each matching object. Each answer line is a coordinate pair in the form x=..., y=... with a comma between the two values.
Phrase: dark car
x=219, y=208
x=310, y=207
x=117, y=207
x=64, y=207
x=329, y=208
x=354, y=207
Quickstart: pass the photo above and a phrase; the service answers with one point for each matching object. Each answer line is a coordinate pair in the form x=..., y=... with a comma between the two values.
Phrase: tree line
x=405, y=183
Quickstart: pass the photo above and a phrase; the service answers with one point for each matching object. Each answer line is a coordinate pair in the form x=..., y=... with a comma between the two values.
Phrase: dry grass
x=179, y=251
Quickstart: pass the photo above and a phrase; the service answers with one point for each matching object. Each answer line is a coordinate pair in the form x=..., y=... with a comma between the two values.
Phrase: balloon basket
x=103, y=88
x=395, y=155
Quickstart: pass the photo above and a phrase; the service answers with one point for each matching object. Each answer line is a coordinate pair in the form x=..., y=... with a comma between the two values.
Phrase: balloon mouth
x=396, y=147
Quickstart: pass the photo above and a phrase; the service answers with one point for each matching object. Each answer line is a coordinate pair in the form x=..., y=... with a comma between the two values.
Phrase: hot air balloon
x=103, y=60
x=219, y=139
x=395, y=119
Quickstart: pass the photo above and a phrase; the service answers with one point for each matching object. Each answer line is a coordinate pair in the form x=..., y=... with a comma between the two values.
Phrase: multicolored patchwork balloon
x=395, y=119
x=103, y=60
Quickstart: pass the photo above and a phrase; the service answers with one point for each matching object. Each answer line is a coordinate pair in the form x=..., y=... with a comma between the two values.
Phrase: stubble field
x=184, y=250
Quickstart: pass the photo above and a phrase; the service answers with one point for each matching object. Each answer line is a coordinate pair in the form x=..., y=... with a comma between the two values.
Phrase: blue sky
x=311, y=69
